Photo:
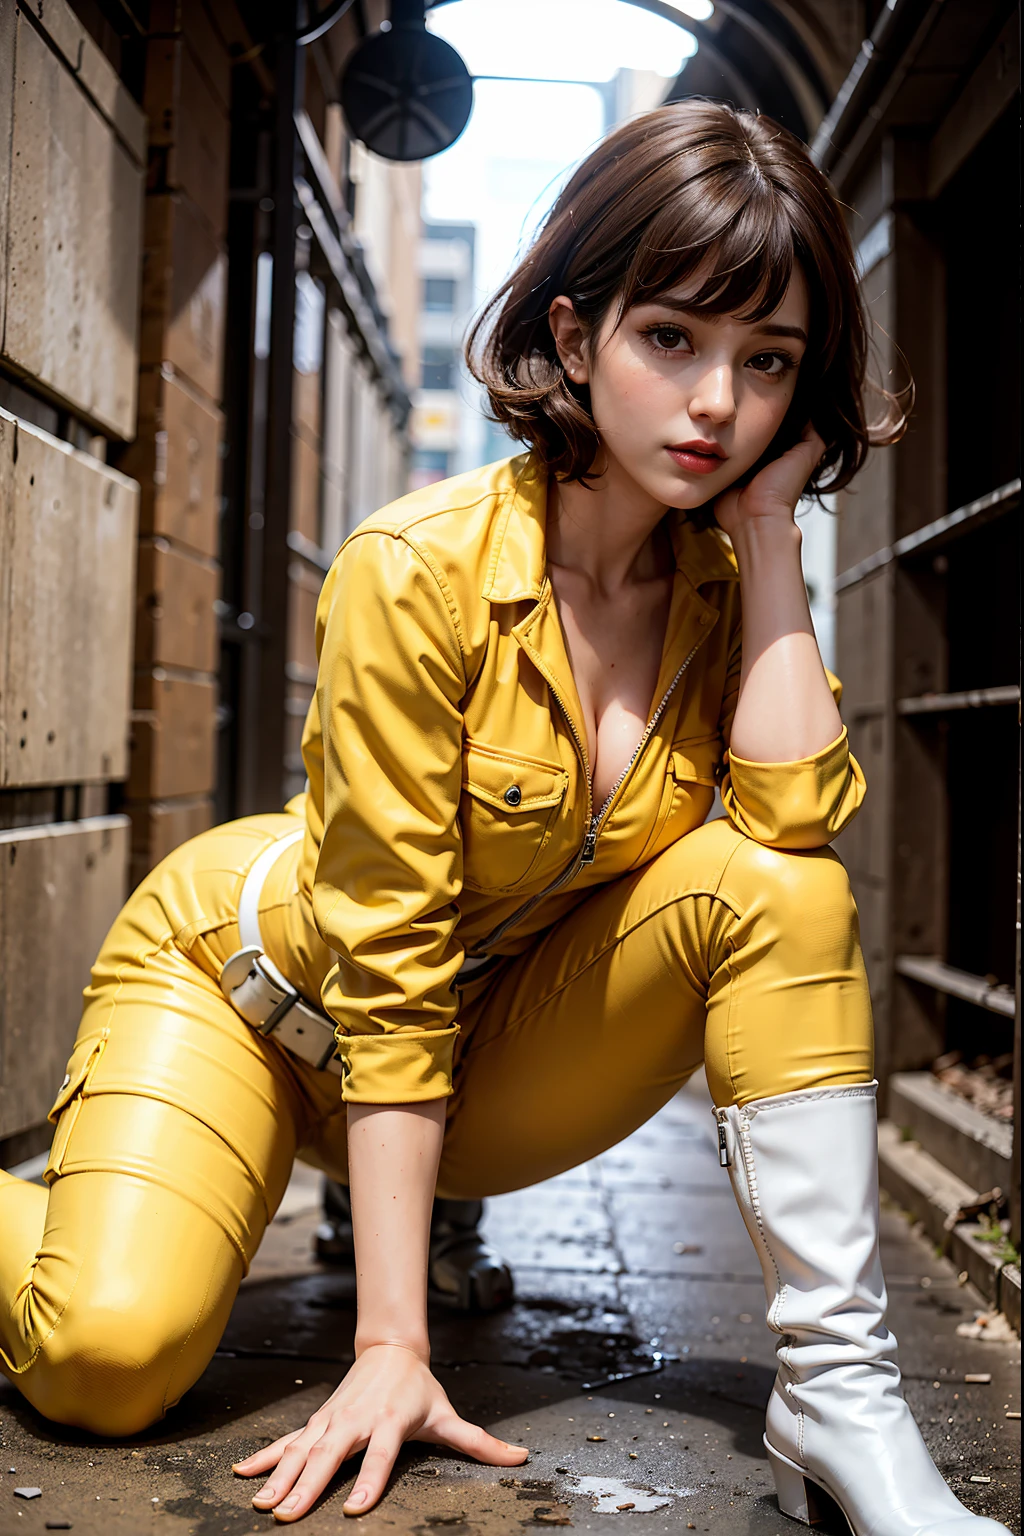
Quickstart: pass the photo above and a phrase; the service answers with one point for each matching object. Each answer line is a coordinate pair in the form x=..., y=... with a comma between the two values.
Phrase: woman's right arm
x=389, y=1395
x=386, y=767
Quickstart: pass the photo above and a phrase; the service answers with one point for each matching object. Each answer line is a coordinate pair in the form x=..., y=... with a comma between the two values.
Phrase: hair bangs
x=742, y=267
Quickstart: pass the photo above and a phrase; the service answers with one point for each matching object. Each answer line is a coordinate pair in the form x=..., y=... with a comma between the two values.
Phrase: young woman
x=497, y=913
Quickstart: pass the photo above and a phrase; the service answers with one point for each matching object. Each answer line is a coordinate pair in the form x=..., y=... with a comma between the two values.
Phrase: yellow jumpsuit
x=448, y=815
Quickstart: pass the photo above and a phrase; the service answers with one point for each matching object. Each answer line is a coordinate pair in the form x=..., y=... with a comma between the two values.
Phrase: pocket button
x=513, y=795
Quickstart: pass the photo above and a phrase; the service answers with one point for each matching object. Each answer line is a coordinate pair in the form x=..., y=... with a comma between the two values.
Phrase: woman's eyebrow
x=782, y=330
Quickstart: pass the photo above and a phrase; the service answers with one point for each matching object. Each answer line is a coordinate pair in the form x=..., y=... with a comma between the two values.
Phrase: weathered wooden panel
x=94, y=72
x=7, y=31
x=173, y=736
x=189, y=130
x=184, y=284
x=60, y=889
x=69, y=530
x=176, y=459
x=160, y=826
x=74, y=241
x=8, y=435
x=175, y=623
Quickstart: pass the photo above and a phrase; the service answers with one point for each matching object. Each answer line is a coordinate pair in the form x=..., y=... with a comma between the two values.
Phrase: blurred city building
x=448, y=429
x=227, y=337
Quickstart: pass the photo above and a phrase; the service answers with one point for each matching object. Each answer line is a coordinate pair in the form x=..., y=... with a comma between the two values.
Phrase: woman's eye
x=666, y=337
x=773, y=364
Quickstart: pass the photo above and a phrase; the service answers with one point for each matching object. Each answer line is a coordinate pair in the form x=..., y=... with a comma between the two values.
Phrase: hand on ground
x=389, y=1396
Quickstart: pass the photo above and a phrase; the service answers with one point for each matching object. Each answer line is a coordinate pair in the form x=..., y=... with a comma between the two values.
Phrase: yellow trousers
x=177, y=1125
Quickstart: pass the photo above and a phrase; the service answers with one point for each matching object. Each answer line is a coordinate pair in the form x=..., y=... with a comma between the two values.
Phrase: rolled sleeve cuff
x=396, y=1068
x=803, y=804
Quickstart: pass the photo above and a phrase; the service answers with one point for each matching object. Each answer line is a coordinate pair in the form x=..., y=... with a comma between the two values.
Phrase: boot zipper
x=587, y=851
x=723, y=1145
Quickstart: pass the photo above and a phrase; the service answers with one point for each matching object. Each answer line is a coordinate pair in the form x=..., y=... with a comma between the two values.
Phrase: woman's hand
x=389, y=1396
x=774, y=490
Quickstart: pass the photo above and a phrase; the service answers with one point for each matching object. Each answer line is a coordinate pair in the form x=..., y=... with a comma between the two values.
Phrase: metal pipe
x=935, y=973
x=973, y=698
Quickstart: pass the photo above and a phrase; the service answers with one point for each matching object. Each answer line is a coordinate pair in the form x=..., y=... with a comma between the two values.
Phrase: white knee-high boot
x=804, y=1169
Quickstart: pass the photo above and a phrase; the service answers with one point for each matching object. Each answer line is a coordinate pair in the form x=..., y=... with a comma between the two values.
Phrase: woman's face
x=666, y=379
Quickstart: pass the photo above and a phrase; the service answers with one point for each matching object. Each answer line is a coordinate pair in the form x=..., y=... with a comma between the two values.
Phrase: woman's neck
x=605, y=532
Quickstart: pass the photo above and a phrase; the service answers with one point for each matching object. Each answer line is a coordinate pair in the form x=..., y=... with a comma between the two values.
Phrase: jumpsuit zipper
x=587, y=851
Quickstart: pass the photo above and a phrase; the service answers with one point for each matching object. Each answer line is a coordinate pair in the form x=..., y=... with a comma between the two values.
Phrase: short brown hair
x=694, y=189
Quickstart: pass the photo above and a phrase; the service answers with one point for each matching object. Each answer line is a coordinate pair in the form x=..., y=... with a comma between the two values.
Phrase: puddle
x=588, y=1341
x=611, y=1494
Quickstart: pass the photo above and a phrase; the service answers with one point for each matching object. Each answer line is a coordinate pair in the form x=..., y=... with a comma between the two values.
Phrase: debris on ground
x=987, y=1325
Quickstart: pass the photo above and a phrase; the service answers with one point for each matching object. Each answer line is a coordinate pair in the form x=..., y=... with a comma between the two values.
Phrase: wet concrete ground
x=635, y=1364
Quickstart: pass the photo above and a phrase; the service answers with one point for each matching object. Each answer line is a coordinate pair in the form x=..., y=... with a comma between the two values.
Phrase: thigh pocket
x=68, y=1102
x=507, y=812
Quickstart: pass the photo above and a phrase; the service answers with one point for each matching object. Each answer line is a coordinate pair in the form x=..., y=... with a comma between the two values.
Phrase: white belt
x=255, y=988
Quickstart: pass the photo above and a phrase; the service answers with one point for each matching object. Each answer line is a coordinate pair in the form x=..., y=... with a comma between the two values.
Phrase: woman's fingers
x=476, y=1442
x=262, y=1461
x=289, y=1469
x=378, y=1460
x=321, y=1461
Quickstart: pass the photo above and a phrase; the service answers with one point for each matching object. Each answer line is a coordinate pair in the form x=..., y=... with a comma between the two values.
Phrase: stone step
x=935, y=1196
x=959, y=1136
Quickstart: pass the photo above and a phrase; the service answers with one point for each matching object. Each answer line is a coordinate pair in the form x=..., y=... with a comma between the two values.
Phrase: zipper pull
x=723, y=1145
x=589, y=846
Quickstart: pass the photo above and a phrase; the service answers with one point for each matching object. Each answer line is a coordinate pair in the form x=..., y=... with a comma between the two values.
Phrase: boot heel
x=796, y=1492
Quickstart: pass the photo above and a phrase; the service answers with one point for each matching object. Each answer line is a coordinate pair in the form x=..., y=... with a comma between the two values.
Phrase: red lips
x=699, y=445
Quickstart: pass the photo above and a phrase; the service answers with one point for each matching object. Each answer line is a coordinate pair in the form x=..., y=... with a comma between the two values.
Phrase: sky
x=523, y=137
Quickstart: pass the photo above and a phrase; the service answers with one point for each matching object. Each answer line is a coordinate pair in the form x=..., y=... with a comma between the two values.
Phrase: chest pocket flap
x=511, y=784
x=509, y=807
x=696, y=761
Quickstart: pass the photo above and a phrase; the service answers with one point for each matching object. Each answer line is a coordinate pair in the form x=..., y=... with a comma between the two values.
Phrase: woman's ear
x=570, y=341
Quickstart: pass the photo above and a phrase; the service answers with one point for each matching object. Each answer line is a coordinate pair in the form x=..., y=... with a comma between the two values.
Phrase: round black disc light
x=406, y=93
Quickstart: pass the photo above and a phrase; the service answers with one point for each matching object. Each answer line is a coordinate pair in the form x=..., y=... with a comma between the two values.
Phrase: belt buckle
x=260, y=997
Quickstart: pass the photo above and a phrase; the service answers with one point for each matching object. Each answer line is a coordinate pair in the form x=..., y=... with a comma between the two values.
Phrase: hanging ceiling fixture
x=406, y=93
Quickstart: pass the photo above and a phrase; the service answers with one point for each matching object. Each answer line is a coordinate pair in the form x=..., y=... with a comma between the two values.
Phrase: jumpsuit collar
x=517, y=568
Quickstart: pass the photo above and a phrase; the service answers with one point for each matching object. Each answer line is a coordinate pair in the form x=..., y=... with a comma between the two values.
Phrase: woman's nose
x=714, y=396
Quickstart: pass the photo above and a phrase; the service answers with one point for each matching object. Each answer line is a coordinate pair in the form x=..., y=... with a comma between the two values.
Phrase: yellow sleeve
x=802, y=804
x=389, y=873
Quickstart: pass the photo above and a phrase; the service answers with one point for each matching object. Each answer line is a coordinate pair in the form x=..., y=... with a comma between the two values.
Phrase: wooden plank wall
x=72, y=157
x=60, y=887
x=66, y=549
x=73, y=219
x=176, y=456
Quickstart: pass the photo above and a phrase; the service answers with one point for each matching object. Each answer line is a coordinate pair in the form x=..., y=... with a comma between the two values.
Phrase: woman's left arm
x=785, y=710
